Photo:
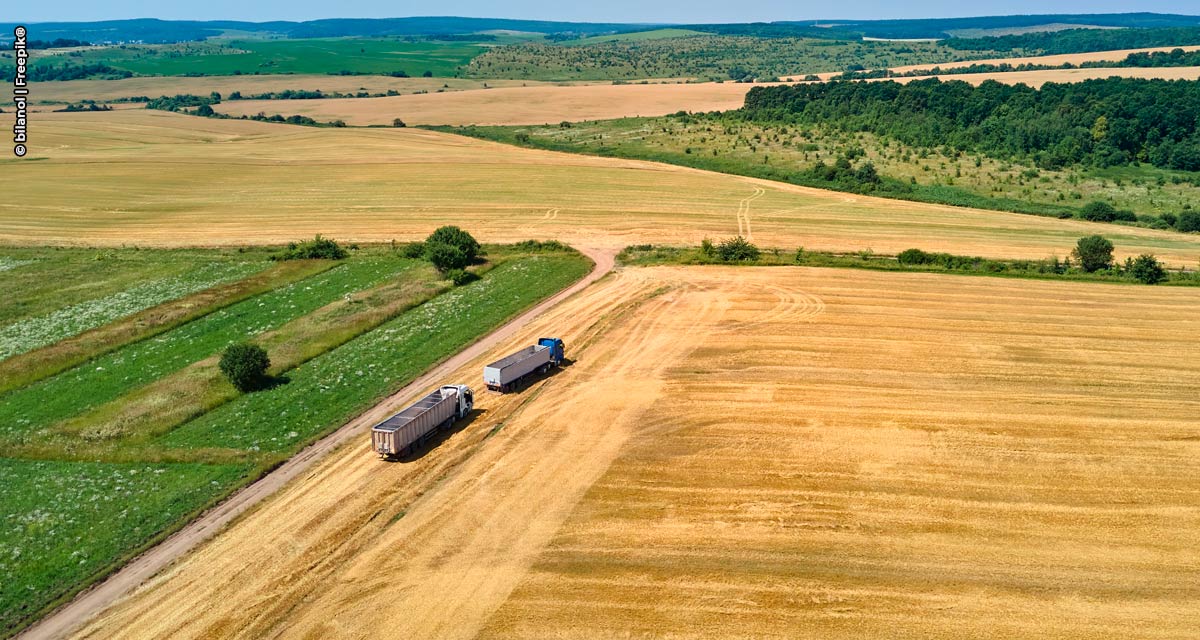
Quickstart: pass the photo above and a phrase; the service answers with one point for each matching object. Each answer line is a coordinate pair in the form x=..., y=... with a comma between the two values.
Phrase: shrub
x=245, y=365
x=1094, y=253
x=413, y=250
x=446, y=257
x=1188, y=221
x=537, y=246
x=457, y=238
x=706, y=248
x=914, y=256
x=1147, y=270
x=737, y=250
x=460, y=277
x=1098, y=212
x=316, y=249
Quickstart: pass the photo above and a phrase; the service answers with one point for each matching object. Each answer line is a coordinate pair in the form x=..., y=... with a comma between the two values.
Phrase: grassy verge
x=27, y=368
x=1046, y=269
x=68, y=523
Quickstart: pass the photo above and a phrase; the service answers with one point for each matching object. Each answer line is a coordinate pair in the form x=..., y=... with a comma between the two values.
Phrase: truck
x=396, y=435
x=507, y=372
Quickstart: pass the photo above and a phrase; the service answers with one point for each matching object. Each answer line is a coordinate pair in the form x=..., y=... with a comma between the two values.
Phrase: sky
x=678, y=11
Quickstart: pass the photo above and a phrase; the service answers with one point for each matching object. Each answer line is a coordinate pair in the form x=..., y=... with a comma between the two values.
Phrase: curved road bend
x=89, y=603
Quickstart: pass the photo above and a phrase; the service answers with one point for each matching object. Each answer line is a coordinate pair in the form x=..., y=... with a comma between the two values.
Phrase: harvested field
x=280, y=182
x=1073, y=58
x=99, y=90
x=759, y=452
x=1038, y=78
x=512, y=105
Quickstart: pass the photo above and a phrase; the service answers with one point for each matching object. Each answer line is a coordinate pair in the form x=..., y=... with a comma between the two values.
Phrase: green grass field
x=317, y=55
x=51, y=294
x=79, y=502
x=65, y=521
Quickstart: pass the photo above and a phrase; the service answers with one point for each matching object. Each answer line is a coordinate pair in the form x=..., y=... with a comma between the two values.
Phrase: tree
x=456, y=237
x=1099, y=212
x=1147, y=270
x=398, y=123
x=1094, y=253
x=445, y=257
x=245, y=365
x=205, y=110
x=1188, y=221
x=737, y=250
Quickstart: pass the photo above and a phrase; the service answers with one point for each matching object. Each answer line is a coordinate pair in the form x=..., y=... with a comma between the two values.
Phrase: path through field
x=750, y=452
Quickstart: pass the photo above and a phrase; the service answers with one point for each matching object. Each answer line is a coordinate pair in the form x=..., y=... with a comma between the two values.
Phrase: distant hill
x=150, y=30
x=945, y=27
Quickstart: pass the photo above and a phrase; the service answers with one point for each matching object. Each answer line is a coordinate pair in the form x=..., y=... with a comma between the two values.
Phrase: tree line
x=1102, y=122
x=1155, y=59
x=1080, y=40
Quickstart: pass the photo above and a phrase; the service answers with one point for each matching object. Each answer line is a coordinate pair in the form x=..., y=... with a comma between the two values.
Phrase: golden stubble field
x=760, y=452
x=1114, y=55
x=512, y=105
x=157, y=178
x=154, y=86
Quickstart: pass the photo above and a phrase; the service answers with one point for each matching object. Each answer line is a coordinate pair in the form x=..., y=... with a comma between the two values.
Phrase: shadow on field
x=434, y=440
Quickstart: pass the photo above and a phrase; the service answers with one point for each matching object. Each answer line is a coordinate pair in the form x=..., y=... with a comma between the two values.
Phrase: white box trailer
x=394, y=436
x=502, y=374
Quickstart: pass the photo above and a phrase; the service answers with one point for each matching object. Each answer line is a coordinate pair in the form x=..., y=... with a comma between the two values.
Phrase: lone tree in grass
x=245, y=365
x=450, y=247
x=1094, y=253
x=1147, y=270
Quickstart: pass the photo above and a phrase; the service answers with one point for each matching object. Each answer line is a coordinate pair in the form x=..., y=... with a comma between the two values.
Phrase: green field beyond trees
x=105, y=458
x=366, y=56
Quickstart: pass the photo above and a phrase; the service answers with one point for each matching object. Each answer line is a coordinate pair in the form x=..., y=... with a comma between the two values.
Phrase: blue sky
x=606, y=11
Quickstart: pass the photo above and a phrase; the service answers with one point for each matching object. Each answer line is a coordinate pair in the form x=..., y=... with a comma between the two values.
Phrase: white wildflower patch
x=8, y=264
x=32, y=333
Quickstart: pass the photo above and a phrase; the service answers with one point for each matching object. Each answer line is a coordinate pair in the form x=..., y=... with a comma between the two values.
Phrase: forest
x=1103, y=123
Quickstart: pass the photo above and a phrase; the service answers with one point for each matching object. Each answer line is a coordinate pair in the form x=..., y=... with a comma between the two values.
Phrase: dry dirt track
x=101, y=596
x=760, y=452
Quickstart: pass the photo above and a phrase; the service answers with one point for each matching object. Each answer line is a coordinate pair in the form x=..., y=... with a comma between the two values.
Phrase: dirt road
x=100, y=597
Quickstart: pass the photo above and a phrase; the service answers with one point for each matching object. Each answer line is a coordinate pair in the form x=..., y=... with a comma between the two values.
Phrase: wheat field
x=163, y=179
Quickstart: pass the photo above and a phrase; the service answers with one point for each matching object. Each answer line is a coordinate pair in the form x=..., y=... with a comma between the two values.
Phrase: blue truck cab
x=557, y=350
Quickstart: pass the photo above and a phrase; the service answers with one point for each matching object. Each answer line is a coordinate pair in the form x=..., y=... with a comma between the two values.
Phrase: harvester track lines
x=743, y=213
